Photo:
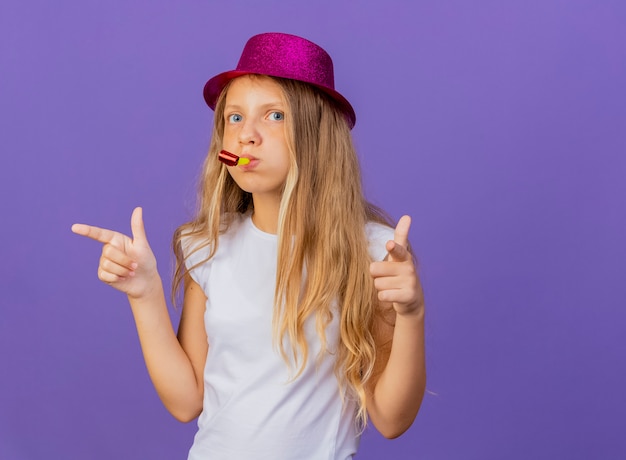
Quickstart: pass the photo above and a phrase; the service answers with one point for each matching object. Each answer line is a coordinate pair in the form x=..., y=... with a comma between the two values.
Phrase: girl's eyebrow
x=269, y=105
x=232, y=106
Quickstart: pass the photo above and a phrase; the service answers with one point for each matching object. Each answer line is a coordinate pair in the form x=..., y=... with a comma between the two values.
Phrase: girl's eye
x=277, y=116
x=234, y=118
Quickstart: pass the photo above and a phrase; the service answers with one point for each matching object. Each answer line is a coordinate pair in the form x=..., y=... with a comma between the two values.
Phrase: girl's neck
x=265, y=216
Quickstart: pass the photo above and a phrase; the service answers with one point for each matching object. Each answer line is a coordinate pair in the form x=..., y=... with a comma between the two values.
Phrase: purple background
x=499, y=126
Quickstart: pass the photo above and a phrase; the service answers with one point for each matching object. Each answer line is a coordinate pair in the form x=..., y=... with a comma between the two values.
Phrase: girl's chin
x=259, y=188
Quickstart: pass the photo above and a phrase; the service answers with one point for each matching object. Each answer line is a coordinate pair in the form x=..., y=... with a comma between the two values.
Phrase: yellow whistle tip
x=243, y=161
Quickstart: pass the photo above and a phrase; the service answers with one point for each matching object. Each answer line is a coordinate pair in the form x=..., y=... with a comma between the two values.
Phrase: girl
x=303, y=314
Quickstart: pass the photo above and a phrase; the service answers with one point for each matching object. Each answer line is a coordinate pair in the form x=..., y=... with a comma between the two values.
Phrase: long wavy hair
x=321, y=226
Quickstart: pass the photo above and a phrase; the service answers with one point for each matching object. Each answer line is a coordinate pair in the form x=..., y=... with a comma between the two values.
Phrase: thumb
x=398, y=247
x=401, y=233
x=136, y=226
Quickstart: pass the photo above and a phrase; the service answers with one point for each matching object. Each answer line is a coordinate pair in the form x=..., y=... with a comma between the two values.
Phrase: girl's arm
x=175, y=365
x=395, y=393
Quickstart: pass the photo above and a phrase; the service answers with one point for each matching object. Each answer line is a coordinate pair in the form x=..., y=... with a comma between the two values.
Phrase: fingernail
x=133, y=265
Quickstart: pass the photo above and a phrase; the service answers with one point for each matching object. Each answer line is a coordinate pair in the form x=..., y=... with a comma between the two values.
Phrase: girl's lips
x=230, y=159
x=253, y=163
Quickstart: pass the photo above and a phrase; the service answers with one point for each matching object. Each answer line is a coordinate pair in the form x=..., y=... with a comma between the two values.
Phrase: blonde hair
x=321, y=226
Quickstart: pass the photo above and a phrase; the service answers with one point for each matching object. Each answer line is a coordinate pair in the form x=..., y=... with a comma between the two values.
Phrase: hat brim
x=214, y=87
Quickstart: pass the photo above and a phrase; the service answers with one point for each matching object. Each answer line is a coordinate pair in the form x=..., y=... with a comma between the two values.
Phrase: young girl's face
x=254, y=115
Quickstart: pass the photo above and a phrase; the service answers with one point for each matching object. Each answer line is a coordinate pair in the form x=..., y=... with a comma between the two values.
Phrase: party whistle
x=230, y=159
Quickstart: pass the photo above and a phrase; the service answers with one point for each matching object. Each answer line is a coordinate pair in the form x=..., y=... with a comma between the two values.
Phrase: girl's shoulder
x=377, y=235
x=197, y=247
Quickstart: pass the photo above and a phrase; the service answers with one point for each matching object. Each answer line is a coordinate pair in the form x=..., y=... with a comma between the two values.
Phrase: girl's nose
x=249, y=134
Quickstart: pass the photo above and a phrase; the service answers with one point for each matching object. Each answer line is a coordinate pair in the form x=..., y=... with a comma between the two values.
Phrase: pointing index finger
x=95, y=233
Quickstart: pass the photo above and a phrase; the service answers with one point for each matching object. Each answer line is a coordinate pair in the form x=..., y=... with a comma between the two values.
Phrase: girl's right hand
x=126, y=264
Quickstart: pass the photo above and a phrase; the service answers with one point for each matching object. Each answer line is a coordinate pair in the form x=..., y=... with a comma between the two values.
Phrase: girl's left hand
x=396, y=278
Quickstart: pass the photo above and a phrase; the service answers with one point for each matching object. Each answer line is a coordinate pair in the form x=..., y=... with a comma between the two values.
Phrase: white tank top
x=251, y=408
